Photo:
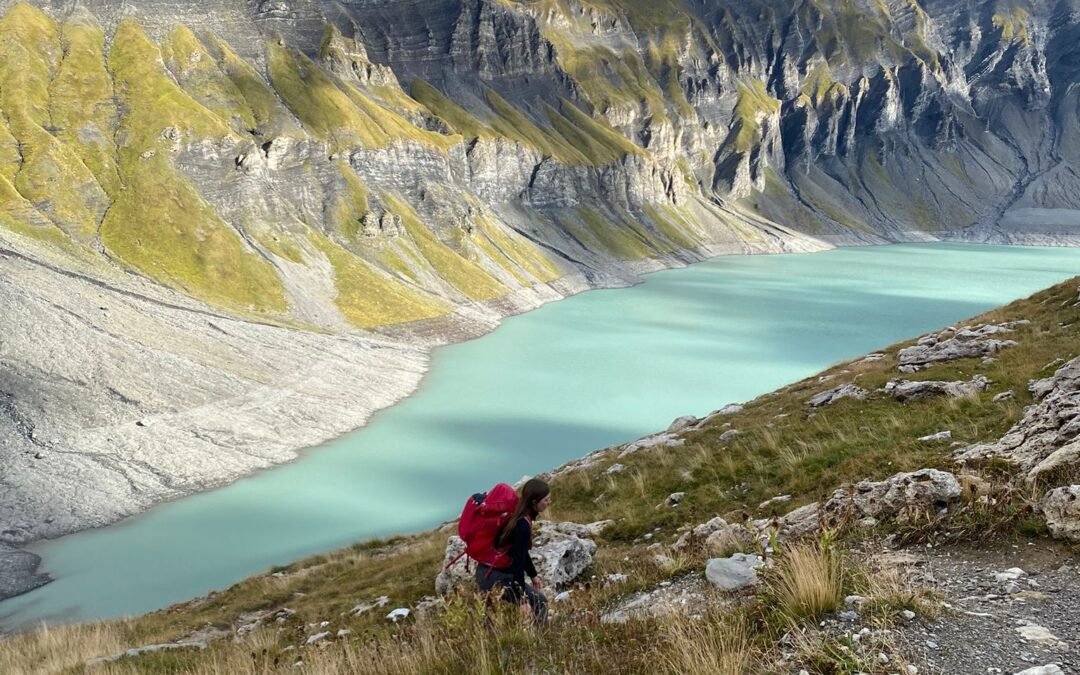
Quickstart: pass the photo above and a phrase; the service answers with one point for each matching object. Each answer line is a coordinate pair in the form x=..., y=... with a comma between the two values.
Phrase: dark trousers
x=488, y=578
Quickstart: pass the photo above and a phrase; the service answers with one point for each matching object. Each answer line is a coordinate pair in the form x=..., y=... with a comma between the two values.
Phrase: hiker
x=515, y=537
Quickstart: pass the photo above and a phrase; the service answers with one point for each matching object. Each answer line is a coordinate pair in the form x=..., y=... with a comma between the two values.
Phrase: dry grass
x=53, y=650
x=714, y=646
x=808, y=581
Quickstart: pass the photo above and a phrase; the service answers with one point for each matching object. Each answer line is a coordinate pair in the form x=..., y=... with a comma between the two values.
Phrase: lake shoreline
x=627, y=275
x=465, y=323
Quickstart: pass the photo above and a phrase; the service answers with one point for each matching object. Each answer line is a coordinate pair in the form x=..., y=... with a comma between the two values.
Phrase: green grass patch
x=619, y=239
x=159, y=223
x=460, y=272
x=82, y=108
x=595, y=139
x=456, y=117
x=369, y=299
x=198, y=73
x=269, y=115
x=512, y=123
x=51, y=176
x=753, y=103
x=348, y=203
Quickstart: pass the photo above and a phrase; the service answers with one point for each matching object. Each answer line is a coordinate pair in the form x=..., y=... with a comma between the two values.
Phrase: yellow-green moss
x=1013, y=24
x=454, y=115
x=319, y=104
x=282, y=245
x=394, y=126
x=596, y=140
x=754, y=101
x=367, y=298
x=155, y=102
x=198, y=73
x=348, y=204
x=270, y=117
x=81, y=103
x=159, y=224
x=336, y=110
x=606, y=78
x=817, y=83
x=514, y=252
x=10, y=159
x=51, y=176
x=511, y=123
x=390, y=258
x=460, y=272
x=670, y=227
x=19, y=215
x=618, y=239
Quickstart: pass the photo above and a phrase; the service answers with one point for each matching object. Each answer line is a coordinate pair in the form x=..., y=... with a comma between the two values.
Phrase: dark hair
x=532, y=492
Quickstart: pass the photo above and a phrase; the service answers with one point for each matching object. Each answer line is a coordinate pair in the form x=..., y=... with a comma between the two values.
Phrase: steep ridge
x=309, y=171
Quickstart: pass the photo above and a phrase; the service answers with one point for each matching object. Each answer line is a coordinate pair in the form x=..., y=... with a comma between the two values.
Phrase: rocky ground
x=1004, y=609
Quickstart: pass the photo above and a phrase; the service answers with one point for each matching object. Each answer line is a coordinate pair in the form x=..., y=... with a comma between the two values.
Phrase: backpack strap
x=459, y=557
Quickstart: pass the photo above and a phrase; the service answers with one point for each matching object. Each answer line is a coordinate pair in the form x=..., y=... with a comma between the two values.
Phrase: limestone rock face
x=1061, y=508
x=835, y=394
x=1045, y=439
x=899, y=496
x=904, y=390
x=949, y=345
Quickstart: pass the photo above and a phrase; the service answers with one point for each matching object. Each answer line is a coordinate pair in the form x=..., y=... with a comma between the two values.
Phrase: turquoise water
x=597, y=369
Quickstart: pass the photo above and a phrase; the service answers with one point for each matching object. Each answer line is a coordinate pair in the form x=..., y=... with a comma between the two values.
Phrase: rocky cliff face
x=283, y=170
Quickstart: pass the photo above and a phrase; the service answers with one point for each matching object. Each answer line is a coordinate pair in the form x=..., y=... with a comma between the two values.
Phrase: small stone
x=674, y=498
x=562, y=597
x=733, y=573
x=317, y=637
x=939, y=436
x=1048, y=669
x=853, y=601
x=908, y=615
x=912, y=670
x=398, y=614
x=848, y=615
x=930, y=644
x=1003, y=396
x=615, y=468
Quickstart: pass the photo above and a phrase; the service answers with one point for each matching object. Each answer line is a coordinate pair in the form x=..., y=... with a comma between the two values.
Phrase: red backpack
x=483, y=517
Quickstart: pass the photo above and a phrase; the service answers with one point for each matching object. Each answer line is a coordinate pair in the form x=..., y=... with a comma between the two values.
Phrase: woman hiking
x=516, y=536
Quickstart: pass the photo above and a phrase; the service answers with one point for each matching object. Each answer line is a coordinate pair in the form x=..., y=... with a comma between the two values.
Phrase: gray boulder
x=1045, y=439
x=948, y=345
x=715, y=534
x=904, y=390
x=833, y=395
x=899, y=496
x=560, y=552
x=1061, y=508
x=734, y=573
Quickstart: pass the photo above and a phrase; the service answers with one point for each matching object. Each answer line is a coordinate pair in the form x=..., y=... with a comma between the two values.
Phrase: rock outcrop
x=952, y=344
x=905, y=390
x=833, y=395
x=1044, y=441
x=561, y=552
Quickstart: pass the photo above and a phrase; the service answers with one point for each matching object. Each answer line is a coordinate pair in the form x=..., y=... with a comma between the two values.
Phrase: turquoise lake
x=597, y=369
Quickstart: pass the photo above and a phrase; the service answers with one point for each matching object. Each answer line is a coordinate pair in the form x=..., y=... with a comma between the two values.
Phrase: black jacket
x=520, y=543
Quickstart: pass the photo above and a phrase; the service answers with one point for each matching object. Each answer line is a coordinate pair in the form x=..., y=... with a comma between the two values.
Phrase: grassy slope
x=51, y=175
x=159, y=223
x=781, y=449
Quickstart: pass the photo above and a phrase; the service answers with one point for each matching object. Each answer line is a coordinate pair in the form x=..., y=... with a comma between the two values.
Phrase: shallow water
x=594, y=370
